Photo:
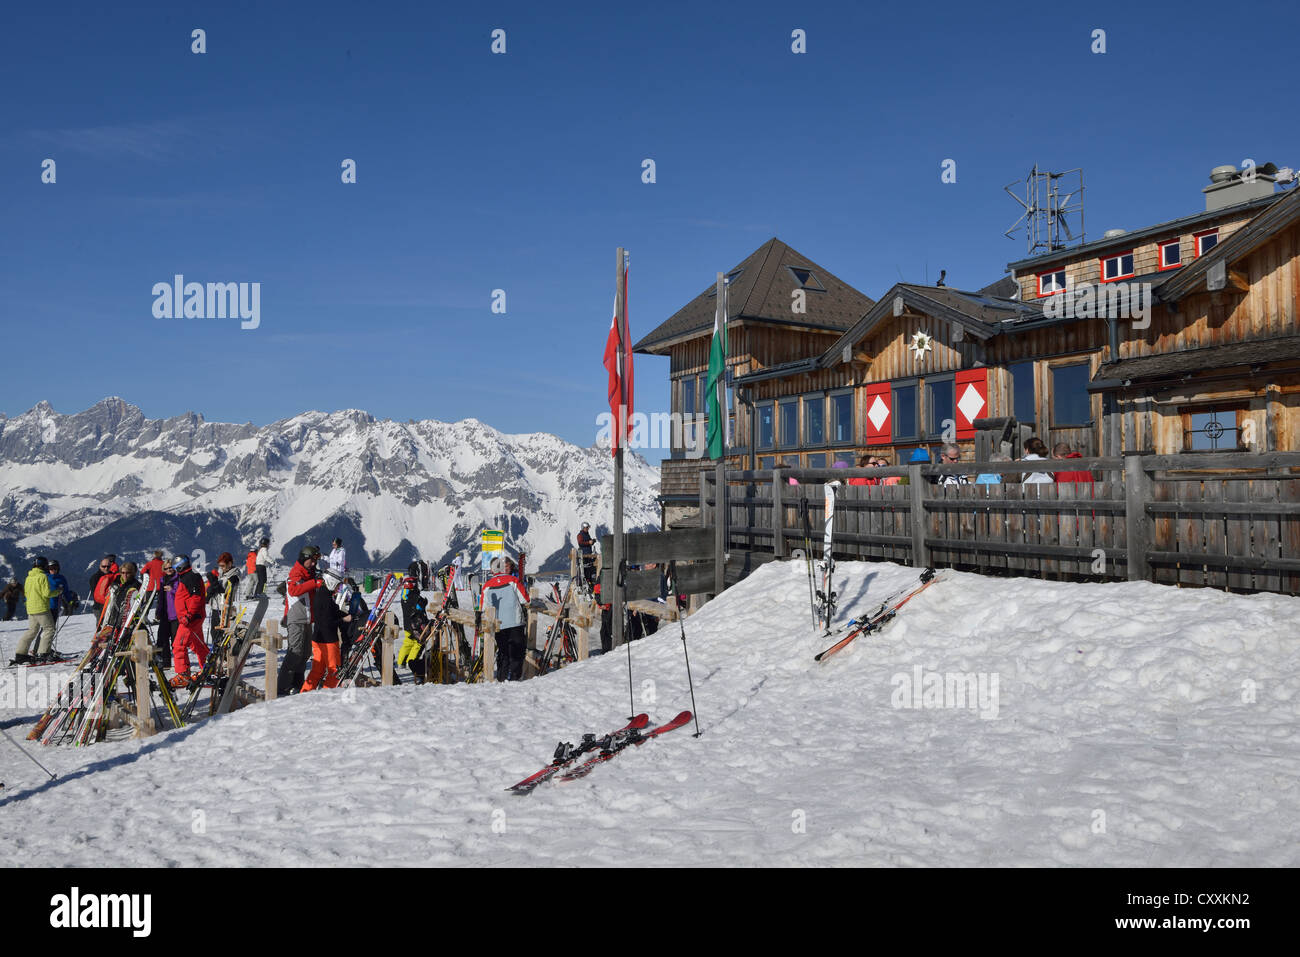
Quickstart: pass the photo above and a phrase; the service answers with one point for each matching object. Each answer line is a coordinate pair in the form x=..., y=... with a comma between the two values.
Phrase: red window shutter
x=972, y=397
x=879, y=413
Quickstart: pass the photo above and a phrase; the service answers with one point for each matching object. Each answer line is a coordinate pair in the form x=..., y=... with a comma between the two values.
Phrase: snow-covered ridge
x=426, y=486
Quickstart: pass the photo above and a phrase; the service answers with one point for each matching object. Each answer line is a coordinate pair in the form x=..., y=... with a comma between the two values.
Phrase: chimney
x=1230, y=186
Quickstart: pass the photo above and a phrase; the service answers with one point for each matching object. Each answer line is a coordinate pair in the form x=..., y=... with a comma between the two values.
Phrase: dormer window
x=1206, y=241
x=1050, y=283
x=805, y=279
x=1171, y=254
x=731, y=281
x=1119, y=266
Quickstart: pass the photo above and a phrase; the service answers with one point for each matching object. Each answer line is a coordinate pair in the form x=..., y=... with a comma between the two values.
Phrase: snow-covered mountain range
x=110, y=480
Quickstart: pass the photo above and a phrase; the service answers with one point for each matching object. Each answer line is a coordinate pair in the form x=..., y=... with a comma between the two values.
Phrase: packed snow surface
x=1129, y=725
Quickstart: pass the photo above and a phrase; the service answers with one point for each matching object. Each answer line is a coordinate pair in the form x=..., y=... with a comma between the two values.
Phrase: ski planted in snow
x=566, y=754
x=613, y=745
x=875, y=620
x=826, y=595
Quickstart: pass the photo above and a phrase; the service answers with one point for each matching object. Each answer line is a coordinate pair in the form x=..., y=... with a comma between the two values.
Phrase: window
x=804, y=279
x=1071, y=403
x=905, y=419
x=767, y=461
x=849, y=458
x=765, y=412
x=688, y=395
x=939, y=404
x=817, y=460
x=1119, y=266
x=1171, y=254
x=1211, y=430
x=1206, y=241
x=1022, y=393
x=841, y=417
x=814, y=423
x=788, y=423
x=1051, y=282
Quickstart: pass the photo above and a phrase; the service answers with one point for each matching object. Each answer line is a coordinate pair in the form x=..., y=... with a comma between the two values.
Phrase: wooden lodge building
x=1178, y=337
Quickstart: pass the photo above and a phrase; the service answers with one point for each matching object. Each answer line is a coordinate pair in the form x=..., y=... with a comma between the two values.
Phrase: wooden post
x=271, y=645
x=720, y=527
x=920, y=554
x=1137, y=492
x=389, y=636
x=489, y=647
x=778, y=516
x=704, y=499
x=573, y=563
x=144, y=726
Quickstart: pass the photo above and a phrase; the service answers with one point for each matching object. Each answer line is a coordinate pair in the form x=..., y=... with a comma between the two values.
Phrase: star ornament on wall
x=921, y=343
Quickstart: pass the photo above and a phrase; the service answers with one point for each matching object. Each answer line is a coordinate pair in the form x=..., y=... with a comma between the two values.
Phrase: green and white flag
x=717, y=382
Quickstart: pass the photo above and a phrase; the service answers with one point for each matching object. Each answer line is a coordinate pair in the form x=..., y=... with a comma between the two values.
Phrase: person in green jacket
x=38, y=615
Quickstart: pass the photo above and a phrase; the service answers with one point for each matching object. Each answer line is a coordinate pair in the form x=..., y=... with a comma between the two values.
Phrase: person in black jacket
x=587, y=553
x=327, y=620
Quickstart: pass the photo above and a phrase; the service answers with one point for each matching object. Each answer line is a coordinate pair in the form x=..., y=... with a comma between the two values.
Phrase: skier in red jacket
x=303, y=581
x=190, y=603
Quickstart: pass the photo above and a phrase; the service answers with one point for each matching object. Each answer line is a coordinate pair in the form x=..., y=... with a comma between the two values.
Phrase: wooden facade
x=1210, y=363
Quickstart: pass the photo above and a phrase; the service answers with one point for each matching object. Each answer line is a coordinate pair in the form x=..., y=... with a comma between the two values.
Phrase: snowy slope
x=1135, y=725
x=391, y=490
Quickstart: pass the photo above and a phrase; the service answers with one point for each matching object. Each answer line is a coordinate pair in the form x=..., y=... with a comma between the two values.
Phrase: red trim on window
x=1101, y=262
x=976, y=379
x=1160, y=254
x=1050, y=272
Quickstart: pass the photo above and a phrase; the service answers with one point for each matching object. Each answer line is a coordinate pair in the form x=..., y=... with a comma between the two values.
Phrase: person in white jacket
x=263, y=564
x=1036, y=451
x=338, y=560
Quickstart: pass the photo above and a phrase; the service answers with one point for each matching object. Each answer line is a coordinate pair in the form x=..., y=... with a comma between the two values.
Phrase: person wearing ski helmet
x=303, y=582
x=39, y=619
x=189, y=603
x=415, y=620
x=504, y=593
x=263, y=563
x=327, y=620
x=60, y=594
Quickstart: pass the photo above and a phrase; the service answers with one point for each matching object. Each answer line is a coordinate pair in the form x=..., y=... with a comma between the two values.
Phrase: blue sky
x=522, y=172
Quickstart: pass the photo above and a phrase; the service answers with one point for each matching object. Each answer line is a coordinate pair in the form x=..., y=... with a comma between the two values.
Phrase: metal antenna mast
x=1049, y=200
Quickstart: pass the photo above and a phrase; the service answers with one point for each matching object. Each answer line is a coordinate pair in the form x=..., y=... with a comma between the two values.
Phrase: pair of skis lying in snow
x=566, y=755
x=882, y=614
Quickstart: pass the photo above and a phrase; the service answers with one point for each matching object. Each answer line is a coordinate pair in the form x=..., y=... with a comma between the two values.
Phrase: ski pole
x=29, y=757
x=672, y=575
x=619, y=583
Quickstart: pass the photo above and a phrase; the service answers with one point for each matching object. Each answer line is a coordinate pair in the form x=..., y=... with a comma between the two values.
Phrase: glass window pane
x=849, y=458
x=1071, y=404
x=1126, y=264
x=765, y=426
x=688, y=395
x=817, y=460
x=814, y=420
x=1022, y=391
x=789, y=423
x=939, y=405
x=842, y=417
x=904, y=412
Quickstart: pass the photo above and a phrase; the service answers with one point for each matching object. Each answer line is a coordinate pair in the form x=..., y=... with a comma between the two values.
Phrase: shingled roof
x=760, y=291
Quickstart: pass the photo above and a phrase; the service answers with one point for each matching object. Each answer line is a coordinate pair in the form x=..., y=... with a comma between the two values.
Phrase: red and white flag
x=618, y=361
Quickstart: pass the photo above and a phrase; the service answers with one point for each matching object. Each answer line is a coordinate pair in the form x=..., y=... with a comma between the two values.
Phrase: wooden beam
x=1137, y=492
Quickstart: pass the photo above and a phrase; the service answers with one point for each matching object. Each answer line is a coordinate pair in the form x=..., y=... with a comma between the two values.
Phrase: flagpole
x=620, y=430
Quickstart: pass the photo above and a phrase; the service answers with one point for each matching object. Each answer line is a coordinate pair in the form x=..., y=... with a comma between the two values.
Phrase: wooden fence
x=1220, y=520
